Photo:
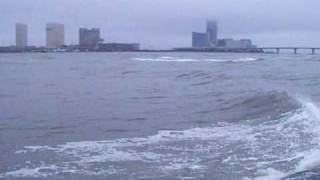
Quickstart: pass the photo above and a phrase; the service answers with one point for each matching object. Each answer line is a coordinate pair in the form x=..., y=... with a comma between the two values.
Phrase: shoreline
x=139, y=51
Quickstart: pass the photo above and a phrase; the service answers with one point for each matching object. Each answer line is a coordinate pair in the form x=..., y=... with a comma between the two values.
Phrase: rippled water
x=159, y=116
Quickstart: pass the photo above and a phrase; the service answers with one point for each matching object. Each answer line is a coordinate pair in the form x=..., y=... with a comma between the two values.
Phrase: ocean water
x=159, y=116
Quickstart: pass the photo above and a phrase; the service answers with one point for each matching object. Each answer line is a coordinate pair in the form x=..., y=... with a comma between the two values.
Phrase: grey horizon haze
x=166, y=23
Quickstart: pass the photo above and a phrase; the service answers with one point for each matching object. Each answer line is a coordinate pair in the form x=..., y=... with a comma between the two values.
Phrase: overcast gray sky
x=167, y=23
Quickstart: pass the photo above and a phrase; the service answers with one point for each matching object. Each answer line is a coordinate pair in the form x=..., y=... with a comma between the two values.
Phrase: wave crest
x=260, y=147
x=174, y=59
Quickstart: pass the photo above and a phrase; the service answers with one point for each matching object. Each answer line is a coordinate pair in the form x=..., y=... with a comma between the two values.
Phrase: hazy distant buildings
x=235, y=44
x=89, y=39
x=207, y=39
x=246, y=43
x=200, y=40
x=55, y=35
x=21, y=36
x=212, y=30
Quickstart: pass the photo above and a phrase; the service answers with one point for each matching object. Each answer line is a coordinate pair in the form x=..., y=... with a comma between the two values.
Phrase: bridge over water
x=294, y=49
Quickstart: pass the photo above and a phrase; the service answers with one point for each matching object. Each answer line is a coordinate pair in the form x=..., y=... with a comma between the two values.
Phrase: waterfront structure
x=247, y=43
x=200, y=40
x=119, y=47
x=212, y=30
x=235, y=44
x=55, y=35
x=21, y=36
x=89, y=39
x=8, y=49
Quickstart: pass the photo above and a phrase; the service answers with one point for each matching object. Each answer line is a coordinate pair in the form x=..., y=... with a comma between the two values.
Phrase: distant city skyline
x=166, y=24
x=211, y=39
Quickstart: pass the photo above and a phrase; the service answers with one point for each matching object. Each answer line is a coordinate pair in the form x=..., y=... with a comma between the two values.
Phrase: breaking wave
x=174, y=59
x=258, y=150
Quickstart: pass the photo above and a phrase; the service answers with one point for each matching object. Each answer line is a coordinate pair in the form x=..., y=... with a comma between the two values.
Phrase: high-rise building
x=200, y=40
x=54, y=35
x=212, y=30
x=21, y=36
x=89, y=39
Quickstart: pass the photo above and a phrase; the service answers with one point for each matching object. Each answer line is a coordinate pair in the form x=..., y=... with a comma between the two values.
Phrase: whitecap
x=38, y=172
x=163, y=151
x=269, y=174
x=175, y=59
x=310, y=160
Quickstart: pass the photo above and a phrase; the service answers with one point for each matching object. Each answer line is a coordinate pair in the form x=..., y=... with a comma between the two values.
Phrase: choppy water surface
x=159, y=116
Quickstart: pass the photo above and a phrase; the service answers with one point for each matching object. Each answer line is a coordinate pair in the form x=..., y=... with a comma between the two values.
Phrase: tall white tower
x=21, y=35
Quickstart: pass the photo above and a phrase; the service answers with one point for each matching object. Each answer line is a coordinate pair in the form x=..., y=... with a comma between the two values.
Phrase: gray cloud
x=167, y=23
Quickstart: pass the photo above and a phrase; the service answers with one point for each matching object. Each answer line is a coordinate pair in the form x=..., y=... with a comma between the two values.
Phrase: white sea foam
x=269, y=174
x=175, y=59
x=127, y=149
x=279, y=141
x=236, y=60
x=309, y=122
x=38, y=172
x=310, y=160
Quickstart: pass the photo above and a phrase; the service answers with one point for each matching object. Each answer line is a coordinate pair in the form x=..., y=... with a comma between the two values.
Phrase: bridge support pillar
x=295, y=50
x=313, y=51
x=278, y=50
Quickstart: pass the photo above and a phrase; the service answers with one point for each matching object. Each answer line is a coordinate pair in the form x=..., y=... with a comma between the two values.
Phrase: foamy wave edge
x=308, y=159
x=173, y=59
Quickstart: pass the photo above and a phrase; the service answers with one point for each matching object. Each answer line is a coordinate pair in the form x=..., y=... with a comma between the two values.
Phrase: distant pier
x=294, y=49
x=277, y=50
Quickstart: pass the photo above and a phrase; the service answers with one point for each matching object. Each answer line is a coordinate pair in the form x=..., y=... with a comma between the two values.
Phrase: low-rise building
x=200, y=40
x=119, y=47
x=235, y=44
x=89, y=39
